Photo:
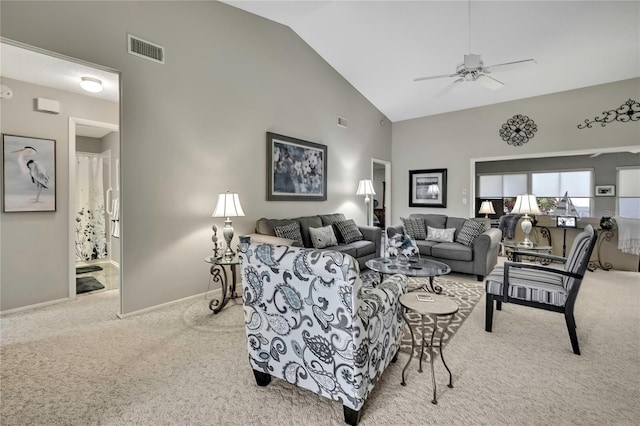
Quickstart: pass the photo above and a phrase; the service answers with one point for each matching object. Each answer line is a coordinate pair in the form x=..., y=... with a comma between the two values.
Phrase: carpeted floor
x=75, y=363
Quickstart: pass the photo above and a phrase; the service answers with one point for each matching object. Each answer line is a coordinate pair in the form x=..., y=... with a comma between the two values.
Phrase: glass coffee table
x=411, y=267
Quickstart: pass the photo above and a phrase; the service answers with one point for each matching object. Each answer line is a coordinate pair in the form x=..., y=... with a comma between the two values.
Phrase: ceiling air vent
x=145, y=49
x=342, y=122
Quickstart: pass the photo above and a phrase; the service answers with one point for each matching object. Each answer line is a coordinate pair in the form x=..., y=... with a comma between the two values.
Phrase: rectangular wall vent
x=145, y=49
x=342, y=122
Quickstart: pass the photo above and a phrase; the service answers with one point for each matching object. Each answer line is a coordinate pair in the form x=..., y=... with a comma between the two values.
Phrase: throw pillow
x=440, y=235
x=414, y=227
x=290, y=231
x=349, y=231
x=323, y=237
x=469, y=232
x=401, y=244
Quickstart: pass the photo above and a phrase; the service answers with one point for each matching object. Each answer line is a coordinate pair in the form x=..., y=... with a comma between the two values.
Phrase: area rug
x=465, y=294
x=86, y=284
x=85, y=269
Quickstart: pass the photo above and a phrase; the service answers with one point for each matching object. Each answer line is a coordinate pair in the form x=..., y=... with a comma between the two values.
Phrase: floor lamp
x=365, y=187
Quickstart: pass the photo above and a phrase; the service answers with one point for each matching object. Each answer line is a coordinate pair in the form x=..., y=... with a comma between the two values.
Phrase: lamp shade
x=365, y=187
x=487, y=208
x=228, y=205
x=526, y=204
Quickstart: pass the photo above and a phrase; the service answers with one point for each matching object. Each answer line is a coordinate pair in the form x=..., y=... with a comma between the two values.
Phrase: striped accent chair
x=543, y=287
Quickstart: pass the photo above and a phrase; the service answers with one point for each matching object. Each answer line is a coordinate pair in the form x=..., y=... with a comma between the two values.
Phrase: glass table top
x=413, y=267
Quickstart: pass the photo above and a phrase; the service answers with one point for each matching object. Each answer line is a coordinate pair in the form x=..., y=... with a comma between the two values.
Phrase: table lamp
x=365, y=187
x=228, y=206
x=526, y=204
x=487, y=208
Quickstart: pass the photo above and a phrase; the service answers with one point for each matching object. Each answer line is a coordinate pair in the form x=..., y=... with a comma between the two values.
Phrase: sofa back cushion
x=455, y=222
x=267, y=226
x=432, y=220
x=307, y=222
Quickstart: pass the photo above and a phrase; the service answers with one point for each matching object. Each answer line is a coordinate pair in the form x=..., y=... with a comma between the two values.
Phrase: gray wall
x=34, y=246
x=604, y=171
x=451, y=140
x=111, y=142
x=195, y=127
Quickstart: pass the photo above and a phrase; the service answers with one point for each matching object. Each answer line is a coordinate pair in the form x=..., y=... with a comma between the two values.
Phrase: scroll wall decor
x=629, y=111
x=518, y=130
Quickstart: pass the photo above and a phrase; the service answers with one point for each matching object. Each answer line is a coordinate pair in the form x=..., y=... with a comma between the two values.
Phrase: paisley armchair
x=311, y=321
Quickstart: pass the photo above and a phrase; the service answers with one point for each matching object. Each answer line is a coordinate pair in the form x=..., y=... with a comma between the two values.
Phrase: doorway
x=381, y=178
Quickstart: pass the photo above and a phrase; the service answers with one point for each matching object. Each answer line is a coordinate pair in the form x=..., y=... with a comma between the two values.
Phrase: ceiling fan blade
x=489, y=82
x=435, y=76
x=489, y=68
x=449, y=87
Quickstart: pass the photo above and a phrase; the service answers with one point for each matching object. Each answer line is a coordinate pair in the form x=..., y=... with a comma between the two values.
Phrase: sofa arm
x=485, y=251
x=373, y=234
x=270, y=239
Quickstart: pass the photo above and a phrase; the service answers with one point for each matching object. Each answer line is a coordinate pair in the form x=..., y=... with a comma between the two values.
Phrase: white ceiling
x=49, y=71
x=381, y=46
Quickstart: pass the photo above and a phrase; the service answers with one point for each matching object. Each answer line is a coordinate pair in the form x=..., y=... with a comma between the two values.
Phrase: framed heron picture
x=428, y=188
x=29, y=167
x=296, y=169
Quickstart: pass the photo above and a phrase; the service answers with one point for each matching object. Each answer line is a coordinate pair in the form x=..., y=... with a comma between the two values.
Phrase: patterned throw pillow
x=290, y=231
x=414, y=227
x=349, y=231
x=440, y=235
x=469, y=232
x=401, y=244
x=323, y=237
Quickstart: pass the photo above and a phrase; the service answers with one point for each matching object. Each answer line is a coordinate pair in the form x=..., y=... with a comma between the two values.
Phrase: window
x=550, y=188
x=629, y=192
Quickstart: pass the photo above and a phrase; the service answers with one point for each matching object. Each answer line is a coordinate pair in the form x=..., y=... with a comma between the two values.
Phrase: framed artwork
x=566, y=222
x=296, y=169
x=428, y=188
x=29, y=174
x=605, y=190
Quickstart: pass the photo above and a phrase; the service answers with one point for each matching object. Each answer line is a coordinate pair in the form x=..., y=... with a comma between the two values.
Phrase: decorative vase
x=606, y=222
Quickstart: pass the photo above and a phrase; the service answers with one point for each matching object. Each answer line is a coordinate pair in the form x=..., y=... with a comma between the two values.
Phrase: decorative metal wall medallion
x=518, y=130
x=629, y=111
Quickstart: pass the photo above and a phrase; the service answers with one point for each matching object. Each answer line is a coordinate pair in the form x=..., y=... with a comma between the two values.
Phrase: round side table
x=434, y=306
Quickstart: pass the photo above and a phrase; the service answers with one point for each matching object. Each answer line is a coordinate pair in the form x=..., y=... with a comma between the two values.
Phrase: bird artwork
x=29, y=165
x=29, y=174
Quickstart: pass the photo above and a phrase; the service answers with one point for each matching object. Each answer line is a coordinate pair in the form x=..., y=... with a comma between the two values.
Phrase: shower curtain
x=91, y=240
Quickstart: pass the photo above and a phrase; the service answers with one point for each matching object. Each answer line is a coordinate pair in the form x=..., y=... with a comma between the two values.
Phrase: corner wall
x=451, y=140
x=196, y=126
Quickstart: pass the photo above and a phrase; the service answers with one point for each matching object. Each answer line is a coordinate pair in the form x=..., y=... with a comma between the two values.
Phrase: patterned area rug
x=465, y=294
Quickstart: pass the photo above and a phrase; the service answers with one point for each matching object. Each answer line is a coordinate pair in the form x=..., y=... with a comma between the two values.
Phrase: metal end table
x=433, y=306
x=219, y=275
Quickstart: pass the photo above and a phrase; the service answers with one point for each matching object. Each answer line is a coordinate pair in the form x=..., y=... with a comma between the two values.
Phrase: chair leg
x=480, y=277
x=498, y=305
x=395, y=357
x=351, y=416
x=488, y=320
x=262, y=379
x=571, y=327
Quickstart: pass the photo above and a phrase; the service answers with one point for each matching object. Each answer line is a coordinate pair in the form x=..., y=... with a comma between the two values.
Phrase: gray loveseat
x=479, y=258
x=362, y=250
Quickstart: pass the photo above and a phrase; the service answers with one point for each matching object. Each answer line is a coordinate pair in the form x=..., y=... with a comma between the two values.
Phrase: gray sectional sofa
x=479, y=258
x=367, y=248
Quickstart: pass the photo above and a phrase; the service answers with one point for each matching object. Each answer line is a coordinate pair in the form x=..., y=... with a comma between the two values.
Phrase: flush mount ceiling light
x=92, y=85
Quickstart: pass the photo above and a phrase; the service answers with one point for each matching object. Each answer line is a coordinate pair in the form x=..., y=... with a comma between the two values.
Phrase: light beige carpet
x=76, y=364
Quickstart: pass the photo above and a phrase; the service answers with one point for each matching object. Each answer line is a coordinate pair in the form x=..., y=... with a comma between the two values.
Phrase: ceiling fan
x=473, y=69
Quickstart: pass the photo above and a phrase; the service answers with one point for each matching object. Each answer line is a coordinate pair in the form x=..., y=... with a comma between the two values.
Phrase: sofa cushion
x=307, y=222
x=433, y=220
x=323, y=237
x=346, y=249
x=267, y=226
x=469, y=232
x=457, y=223
x=440, y=235
x=424, y=246
x=362, y=247
x=415, y=227
x=290, y=231
x=349, y=231
x=452, y=251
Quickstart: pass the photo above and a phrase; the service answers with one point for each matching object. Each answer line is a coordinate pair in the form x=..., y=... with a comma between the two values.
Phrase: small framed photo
x=29, y=175
x=605, y=190
x=566, y=222
x=296, y=169
x=428, y=188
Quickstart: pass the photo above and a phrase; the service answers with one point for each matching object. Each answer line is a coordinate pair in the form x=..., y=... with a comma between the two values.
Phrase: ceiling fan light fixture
x=92, y=85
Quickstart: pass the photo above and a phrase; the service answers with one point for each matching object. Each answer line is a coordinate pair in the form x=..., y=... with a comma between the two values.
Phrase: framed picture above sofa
x=296, y=169
x=428, y=188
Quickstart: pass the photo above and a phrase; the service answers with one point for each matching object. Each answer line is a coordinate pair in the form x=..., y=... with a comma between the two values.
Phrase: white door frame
x=73, y=122
x=386, y=203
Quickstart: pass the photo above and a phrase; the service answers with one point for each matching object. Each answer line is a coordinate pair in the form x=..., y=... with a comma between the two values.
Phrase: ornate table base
x=219, y=275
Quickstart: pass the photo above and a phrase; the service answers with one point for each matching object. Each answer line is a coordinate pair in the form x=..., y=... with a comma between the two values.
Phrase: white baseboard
x=114, y=263
x=164, y=305
x=37, y=305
